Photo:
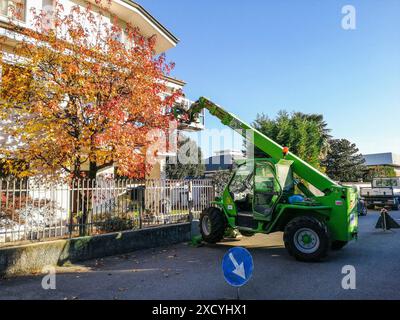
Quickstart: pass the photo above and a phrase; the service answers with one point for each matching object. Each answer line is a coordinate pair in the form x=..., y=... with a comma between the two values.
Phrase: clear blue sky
x=266, y=55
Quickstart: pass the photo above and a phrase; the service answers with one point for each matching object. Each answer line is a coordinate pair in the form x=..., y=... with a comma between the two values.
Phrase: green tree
x=379, y=172
x=188, y=162
x=323, y=130
x=306, y=135
x=343, y=162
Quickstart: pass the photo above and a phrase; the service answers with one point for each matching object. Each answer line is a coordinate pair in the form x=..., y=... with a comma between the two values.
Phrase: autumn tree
x=79, y=95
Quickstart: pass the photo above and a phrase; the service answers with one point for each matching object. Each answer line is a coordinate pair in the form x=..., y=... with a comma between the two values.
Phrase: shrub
x=115, y=224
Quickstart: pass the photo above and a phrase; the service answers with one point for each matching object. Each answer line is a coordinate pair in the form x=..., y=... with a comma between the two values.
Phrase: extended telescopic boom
x=270, y=147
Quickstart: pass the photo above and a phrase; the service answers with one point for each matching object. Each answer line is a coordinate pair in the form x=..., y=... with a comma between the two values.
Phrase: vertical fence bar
x=6, y=225
x=141, y=194
x=92, y=184
x=190, y=200
x=1, y=208
x=78, y=205
x=27, y=197
x=73, y=208
x=13, y=212
x=60, y=204
x=97, y=203
x=86, y=221
x=19, y=208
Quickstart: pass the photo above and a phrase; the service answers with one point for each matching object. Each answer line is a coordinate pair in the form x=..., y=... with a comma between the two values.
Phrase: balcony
x=13, y=8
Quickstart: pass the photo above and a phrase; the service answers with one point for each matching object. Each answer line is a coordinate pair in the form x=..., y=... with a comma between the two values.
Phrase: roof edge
x=152, y=19
x=379, y=153
x=174, y=80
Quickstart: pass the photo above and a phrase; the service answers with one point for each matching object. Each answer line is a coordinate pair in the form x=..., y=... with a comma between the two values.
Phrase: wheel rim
x=306, y=240
x=206, y=225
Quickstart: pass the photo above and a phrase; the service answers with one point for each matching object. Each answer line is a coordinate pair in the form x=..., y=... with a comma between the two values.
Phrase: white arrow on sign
x=239, y=269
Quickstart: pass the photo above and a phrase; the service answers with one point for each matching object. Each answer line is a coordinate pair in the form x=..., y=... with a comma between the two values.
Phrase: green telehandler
x=273, y=194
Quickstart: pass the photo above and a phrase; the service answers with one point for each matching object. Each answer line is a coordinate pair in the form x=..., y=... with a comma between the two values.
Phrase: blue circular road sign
x=237, y=266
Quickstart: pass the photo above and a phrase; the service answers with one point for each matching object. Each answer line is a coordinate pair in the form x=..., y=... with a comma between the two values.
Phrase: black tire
x=247, y=233
x=338, y=245
x=317, y=234
x=214, y=219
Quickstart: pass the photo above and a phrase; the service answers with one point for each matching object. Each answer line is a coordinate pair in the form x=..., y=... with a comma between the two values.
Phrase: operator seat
x=245, y=204
x=263, y=203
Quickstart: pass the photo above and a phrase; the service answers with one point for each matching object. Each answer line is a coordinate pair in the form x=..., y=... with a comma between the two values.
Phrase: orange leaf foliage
x=81, y=95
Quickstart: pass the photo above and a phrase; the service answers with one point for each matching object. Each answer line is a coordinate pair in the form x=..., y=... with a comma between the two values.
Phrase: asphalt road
x=185, y=272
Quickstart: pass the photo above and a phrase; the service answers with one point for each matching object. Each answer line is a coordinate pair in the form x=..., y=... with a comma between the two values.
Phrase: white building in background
x=128, y=12
x=223, y=160
x=388, y=159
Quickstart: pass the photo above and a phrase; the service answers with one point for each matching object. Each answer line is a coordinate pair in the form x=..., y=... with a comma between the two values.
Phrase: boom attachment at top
x=261, y=141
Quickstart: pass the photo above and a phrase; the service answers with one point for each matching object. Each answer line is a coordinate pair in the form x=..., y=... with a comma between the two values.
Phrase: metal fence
x=36, y=210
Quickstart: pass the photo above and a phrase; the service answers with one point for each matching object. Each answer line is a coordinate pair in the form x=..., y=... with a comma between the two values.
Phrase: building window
x=13, y=8
x=48, y=7
x=117, y=33
x=117, y=36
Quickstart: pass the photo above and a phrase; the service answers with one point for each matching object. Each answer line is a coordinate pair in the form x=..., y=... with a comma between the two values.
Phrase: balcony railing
x=13, y=8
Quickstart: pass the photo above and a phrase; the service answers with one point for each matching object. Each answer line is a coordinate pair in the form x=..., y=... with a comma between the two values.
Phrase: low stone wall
x=33, y=257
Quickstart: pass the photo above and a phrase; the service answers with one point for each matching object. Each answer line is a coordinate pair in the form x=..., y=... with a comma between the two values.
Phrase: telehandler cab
x=267, y=195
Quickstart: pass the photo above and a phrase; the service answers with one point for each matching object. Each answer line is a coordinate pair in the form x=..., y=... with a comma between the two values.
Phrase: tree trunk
x=92, y=170
x=86, y=196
